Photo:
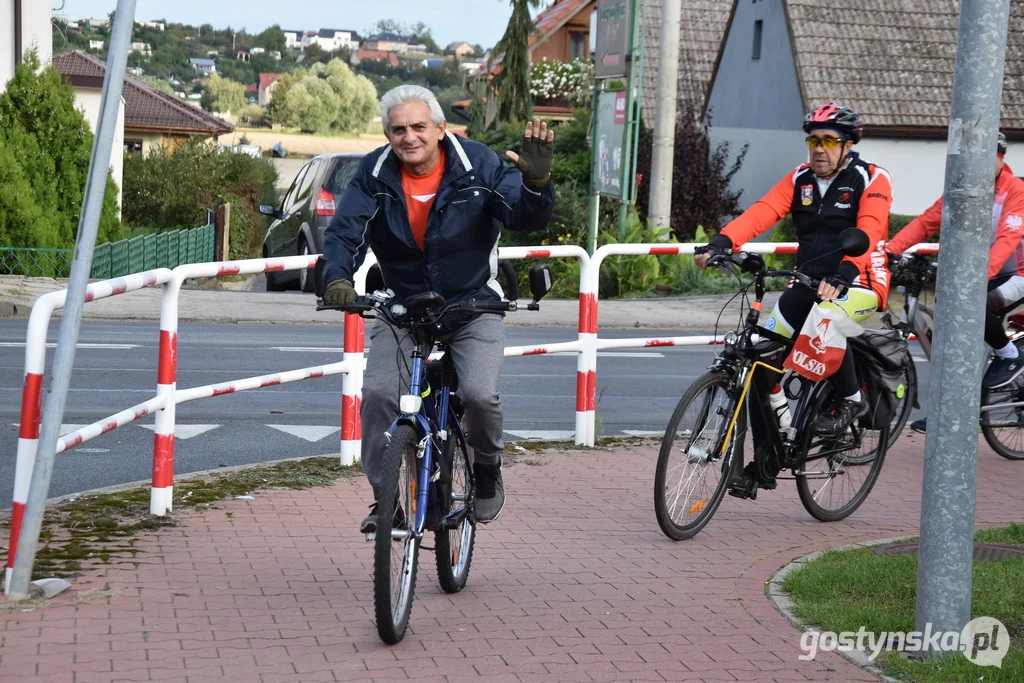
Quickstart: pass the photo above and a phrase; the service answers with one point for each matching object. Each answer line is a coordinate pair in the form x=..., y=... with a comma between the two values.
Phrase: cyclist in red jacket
x=1005, y=267
x=834, y=191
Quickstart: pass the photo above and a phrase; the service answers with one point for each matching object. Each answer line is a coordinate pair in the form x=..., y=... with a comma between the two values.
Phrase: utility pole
x=944, y=578
x=666, y=94
x=81, y=264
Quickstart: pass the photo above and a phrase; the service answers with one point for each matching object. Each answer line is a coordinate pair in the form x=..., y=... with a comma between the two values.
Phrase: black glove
x=719, y=244
x=339, y=293
x=838, y=281
x=535, y=160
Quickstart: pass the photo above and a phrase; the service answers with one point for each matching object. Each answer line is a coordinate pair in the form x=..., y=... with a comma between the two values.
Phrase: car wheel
x=306, y=275
x=272, y=283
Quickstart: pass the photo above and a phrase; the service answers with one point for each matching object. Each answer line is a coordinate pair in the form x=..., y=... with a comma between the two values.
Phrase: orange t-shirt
x=420, y=191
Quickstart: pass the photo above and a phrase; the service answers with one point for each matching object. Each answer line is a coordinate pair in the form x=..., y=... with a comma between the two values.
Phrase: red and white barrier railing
x=586, y=345
x=32, y=393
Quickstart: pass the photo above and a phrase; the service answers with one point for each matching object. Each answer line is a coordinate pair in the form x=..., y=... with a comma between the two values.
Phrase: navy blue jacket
x=460, y=257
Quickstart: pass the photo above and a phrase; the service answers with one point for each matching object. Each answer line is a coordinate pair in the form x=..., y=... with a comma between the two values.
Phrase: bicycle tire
x=811, y=498
x=1001, y=445
x=707, y=504
x=903, y=410
x=392, y=608
x=453, y=548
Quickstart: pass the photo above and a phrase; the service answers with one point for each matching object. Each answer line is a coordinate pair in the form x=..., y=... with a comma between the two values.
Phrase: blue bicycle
x=428, y=478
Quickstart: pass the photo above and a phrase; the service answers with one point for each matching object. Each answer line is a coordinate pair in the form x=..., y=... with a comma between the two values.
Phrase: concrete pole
x=81, y=264
x=951, y=446
x=660, y=208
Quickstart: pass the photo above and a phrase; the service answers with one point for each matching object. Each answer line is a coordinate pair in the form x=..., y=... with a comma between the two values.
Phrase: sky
x=474, y=21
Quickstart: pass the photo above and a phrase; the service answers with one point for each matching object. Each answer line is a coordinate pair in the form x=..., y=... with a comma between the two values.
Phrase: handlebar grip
x=490, y=306
x=362, y=304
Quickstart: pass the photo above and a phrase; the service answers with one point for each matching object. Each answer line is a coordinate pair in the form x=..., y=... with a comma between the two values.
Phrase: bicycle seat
x=422, y=302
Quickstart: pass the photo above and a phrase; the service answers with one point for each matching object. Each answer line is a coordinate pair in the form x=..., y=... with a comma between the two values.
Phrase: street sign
x=614, y=41
x=611, y=120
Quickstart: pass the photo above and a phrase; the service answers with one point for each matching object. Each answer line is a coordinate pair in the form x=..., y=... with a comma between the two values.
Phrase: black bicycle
x=703, y=446
x=1002, y=408
x=428, y=482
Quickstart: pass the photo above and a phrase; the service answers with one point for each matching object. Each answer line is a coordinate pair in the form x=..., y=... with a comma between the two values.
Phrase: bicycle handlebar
x=754, y=264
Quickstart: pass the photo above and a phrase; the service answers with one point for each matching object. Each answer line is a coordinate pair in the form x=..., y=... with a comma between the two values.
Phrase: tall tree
x=513, y=81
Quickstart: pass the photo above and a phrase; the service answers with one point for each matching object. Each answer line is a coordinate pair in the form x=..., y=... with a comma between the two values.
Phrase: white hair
x=404, y=94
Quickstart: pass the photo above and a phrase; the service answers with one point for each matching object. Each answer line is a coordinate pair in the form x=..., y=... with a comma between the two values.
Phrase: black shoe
x=840, y=416
x=919, y=425
x=753, y=477
x=1002, y=371
x=490, y=491
x=369, y=523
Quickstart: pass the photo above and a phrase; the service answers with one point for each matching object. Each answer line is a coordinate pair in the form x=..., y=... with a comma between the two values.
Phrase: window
x=289, y=197
x=342, y=175
x=758, y=27
x=577, y=45
x=307, y=182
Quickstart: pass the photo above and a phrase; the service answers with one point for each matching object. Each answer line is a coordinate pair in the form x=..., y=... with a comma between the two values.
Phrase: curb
x=145, y=483
x=781, y=601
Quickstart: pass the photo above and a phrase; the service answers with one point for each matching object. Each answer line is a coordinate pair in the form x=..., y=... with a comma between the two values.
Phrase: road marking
x=309, y=349
x=544, y=434
x=311, y=433
x=603, y=354
x=186, y=431
x=90, y=450
x=81, y=345
x=65, y=428
x=640, y=432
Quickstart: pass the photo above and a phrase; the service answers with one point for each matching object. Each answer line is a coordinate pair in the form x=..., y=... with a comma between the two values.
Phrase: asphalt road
x=115, y=368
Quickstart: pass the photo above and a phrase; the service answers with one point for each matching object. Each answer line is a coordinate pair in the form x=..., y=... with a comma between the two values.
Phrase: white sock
x=855, y=397
x=1008, y=351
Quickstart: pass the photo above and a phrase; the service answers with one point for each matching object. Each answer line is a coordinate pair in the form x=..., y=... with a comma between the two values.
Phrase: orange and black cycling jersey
x=858, y=196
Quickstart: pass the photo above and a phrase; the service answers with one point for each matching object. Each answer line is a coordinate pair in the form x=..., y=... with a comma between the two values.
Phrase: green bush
x=173, y=190
x=45, y=148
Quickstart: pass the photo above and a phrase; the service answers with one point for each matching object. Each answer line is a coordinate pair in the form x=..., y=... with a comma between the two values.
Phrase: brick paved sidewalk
x=574, y=583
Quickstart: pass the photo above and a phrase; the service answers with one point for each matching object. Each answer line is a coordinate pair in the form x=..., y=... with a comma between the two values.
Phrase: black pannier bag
x=882, y=358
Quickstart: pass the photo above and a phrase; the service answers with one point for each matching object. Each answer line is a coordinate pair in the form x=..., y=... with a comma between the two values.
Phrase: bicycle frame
x=429, y=418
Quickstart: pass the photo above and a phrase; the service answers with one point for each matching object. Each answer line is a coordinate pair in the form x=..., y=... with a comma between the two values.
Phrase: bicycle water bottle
x=780, y=406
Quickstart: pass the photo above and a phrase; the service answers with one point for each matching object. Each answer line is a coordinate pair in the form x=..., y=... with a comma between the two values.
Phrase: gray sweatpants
x=477, y=349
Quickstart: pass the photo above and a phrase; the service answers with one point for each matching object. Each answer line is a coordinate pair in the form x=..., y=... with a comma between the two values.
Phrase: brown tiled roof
x=547, y=22
x=700, y=35
x=382, y=55
x=892, y=60
x=267, y=79
x=145, y=107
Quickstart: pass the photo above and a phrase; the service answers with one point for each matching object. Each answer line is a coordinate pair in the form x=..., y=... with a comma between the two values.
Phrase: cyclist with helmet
x=1005, y=267
x=833, y=191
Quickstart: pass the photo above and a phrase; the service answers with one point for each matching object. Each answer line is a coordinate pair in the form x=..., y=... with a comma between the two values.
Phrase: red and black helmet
x=833, y=115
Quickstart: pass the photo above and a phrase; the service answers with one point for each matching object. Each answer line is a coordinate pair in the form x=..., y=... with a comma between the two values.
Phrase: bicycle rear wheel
x=838, y=471
x=396, y=550
x=691, y=474
x=454, y=539
x=904, y=405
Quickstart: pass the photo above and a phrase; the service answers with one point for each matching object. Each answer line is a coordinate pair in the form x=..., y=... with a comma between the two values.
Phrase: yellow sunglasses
x=827, y=143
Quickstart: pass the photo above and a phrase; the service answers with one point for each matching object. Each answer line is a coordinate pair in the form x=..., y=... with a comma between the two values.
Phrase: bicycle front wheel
x=453, y=541
x=1003, y=427
x=396, y=547
x=692, y=474
x=838, y=471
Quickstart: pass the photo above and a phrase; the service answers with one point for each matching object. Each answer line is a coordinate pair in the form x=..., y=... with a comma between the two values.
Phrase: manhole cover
x=982, y=551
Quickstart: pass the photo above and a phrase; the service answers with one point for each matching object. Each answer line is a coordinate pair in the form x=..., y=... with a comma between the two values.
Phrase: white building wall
x=918, y=168
x=35, y=32
x=88, y=99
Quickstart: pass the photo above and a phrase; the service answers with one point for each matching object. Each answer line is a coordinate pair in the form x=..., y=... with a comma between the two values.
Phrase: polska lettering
x=815, y=367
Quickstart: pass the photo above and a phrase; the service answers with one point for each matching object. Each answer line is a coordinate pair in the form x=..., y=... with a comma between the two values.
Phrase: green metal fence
x=36, y=262
x=115, y=259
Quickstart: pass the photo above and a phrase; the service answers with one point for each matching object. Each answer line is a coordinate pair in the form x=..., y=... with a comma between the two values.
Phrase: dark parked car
x=305, y=212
